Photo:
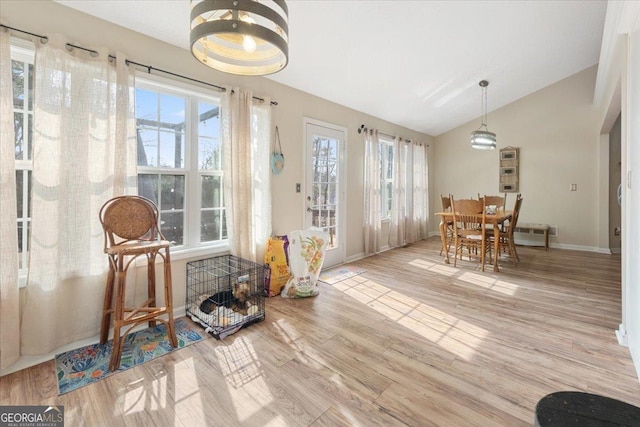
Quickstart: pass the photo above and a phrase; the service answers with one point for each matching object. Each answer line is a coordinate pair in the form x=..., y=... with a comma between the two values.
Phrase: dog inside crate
x=236, y=299
x=225, y=294
x=228, y=307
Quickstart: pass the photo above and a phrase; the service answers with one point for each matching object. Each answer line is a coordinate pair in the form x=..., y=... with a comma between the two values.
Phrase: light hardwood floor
x=410, y=342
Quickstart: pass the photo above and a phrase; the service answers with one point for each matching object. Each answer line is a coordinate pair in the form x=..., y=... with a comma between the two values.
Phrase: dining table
x=495, y=220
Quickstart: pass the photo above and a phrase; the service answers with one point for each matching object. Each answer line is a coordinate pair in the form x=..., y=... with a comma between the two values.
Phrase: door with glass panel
x=325, y=185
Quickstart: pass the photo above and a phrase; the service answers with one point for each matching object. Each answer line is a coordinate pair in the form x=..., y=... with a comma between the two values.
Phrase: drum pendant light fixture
x=482, y=139
x=243, y=37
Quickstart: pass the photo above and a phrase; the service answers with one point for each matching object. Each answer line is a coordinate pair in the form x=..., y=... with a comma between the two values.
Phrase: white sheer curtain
x=397, y=231
x=420, y=188
x=372, y=195
x=84, y=154
x=9, y=297
x=247, y=189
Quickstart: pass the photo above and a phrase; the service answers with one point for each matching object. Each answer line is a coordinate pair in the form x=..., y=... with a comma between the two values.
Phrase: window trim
x=386, y=144
x=192, y=246
x=23, y=51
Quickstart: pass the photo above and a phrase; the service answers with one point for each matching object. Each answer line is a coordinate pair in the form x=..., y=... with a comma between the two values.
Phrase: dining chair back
x=469, y=222
x=500, y=202
x=507, y=237
x=448, y=224
x=446, y=202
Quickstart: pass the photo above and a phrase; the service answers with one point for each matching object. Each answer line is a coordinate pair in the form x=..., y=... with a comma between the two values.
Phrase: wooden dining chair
x=506, y=237
x=500, y=202
x=469, y=222
x=448, y=224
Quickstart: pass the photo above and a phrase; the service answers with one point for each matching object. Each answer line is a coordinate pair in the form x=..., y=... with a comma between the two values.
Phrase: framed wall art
x=509, y=153
x=509, y=165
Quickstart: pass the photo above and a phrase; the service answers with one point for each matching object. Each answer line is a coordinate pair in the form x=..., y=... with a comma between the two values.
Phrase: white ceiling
x=413, y=63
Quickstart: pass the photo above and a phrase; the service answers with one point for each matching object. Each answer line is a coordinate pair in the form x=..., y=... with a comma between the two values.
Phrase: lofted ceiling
x=413, y=63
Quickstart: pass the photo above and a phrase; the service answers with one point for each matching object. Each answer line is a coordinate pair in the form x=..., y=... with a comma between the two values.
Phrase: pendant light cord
x=484, y=106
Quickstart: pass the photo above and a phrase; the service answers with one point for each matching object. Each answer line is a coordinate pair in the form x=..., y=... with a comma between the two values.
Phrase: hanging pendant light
x=482, y=139
x=243, y=37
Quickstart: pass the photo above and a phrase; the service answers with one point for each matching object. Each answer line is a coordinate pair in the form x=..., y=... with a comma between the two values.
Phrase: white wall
x=631, y=257
x=557, y=132
x=618, y=92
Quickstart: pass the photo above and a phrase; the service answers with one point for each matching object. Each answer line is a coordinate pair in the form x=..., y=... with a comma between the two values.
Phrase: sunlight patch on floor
x=305, y=352
x=455, y=335
x=488, y=282
x=439, y=268
x=149, y=397
x=239, y=362
x=187, y=391
x=242, y=371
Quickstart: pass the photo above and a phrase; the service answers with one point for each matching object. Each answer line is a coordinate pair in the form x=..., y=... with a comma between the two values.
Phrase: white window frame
x=193, y=174
x=24, y=51
x=386, y=146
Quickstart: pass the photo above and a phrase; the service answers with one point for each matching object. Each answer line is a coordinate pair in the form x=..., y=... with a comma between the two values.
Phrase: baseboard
x=537, y=243
x=621, y=334
x=635, y=357
x=356, y=257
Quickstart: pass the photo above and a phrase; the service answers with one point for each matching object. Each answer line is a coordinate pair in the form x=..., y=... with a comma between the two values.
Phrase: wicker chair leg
x=107, y=307
x=151, y=283
x=116, y=352
x=168, y=299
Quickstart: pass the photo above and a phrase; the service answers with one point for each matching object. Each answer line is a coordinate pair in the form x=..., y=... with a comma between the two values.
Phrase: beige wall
x=48, y=18
x=558, y=136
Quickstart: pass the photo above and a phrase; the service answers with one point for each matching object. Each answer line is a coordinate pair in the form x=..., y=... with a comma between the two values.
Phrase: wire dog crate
x=225, y=294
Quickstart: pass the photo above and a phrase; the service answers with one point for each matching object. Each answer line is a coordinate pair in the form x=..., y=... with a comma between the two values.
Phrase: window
x=386, y=176
x=180, y=161
x=23, y=84
x=179, y=156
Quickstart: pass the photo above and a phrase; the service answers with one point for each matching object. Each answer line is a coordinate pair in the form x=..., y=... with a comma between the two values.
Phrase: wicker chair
x=130, y=225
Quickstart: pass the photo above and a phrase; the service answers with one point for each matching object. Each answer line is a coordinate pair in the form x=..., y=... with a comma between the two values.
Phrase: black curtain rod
x=149, y=68
x=363, y=128
x=43, y=39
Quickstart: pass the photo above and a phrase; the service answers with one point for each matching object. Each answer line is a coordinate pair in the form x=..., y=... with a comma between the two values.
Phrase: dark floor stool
x=572, y=408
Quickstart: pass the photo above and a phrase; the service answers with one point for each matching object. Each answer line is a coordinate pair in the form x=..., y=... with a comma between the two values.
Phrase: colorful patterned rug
x=85, y=365
x=338, y=274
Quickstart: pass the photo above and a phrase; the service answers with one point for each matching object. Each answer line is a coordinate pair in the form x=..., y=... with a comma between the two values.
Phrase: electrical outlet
x=297, y=187
x=573, y=187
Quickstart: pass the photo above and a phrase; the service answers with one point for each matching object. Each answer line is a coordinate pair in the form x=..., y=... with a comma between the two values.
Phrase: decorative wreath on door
x=277, y=158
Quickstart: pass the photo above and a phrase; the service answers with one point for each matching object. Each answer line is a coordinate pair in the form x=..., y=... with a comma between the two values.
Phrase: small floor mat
x=338, y=274
x=85, y=365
